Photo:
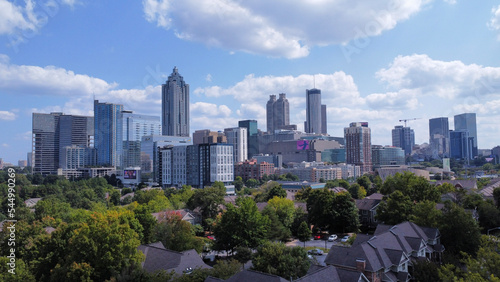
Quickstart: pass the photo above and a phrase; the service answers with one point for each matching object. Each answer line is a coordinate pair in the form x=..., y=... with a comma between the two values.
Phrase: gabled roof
x=254, y=276
x=31, y=202
x=159, y=258
x=367, y=204
x=185, y=214
x=375, y=196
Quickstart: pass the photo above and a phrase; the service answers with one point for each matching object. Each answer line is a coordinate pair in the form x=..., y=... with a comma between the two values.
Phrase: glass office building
x=135, y=126
x=108, y=129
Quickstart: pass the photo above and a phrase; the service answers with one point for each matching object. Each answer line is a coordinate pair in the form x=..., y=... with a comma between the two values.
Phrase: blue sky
x=378, y=62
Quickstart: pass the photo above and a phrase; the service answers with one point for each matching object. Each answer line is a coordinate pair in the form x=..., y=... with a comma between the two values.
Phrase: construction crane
x=408, y=119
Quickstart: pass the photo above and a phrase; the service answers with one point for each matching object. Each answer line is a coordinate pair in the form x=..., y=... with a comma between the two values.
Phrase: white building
x=221, y=163
x=237, y=136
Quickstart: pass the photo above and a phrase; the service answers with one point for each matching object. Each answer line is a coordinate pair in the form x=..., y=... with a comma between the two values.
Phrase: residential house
x=331, y=273
x=185, y=214
x=367, y=209
x=159, y=258
x=388, y=255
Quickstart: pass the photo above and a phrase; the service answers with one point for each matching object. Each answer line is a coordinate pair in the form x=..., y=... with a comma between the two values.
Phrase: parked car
x=315, y=252
x=344, y=239
x=211, y=237
x=317, y=237
x=332, y=238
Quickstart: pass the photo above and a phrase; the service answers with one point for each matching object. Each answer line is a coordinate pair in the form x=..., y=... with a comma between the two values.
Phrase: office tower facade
x=108, y=128
x=461, y=145
x=384, y=156
x=175, y=106
x=324, y=124
x=467, y=121
x=74, y=157
x=206, y=136
x=439, y=137
x=278, y=113
x=313, y=122
x=136, y=126
x=404, y=138
x=358, y=145
x=252, y=136
x=52, y=133
x=237, y=136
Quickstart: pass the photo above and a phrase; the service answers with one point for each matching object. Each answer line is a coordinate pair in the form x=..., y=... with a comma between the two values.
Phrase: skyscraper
x=324, y=125
x=404, y=138
x=439, y=137
x=358, y=145
x=175, y=106
x=108, y=127
x=136, y=126
x=278, y=113
x=313, y=122
x=238, y=137
x=252, y=136
x=52, y=133
x=461, y=145
x=467, y=121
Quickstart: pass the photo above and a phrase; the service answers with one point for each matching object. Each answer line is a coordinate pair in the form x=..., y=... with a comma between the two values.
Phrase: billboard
x=302, y=144
x=130, y=174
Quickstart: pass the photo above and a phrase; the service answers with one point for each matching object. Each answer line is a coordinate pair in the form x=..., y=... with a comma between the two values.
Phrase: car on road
x=317, y=237
x=211, y=237
x=332, y=238
x=315, y=252
x=344, y=239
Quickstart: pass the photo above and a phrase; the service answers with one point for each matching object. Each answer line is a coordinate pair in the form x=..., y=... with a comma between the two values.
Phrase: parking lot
x=316, y=243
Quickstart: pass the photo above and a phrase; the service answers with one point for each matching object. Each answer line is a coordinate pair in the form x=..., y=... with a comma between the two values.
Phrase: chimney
x=360, y=264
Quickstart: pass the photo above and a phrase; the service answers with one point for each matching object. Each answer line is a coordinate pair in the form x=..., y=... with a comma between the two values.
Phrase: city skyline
x=60, y=62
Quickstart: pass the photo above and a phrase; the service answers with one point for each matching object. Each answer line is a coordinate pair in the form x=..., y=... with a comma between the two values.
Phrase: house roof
x=375, y=196
x=367, y=204
x=49, y=229
x=389, y=246
x=488, y=190
x=31, y=202
x=159, y=258
x=467, y=184
x=252, y=276
x=184, y=213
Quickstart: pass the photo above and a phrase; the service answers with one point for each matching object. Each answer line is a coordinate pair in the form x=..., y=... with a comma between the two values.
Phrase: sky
x=376, y=61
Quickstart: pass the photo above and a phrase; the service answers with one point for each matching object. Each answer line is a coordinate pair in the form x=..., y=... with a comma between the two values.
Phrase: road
x=316, y=243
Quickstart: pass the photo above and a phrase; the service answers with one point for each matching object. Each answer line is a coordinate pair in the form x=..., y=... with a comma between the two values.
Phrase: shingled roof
x=159, y=258
x=253, y=276
x=331, y=273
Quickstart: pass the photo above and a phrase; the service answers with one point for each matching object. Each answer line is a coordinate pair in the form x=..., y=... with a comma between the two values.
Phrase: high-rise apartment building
x=313, y=122
x=52, y=133
x=278, y=113
x=175, y=106
x=252, y=136
x=237, y=136
x=467, y=121
x=404, y=138
x=108, y=127
x=358, y=145
x=136, y=126
x=439, y=137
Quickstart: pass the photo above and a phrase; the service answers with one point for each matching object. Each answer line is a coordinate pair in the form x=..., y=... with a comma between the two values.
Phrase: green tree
x=347, y=219
x=496, y=196
x=357, y=191
x=278, y=259
x=238, y=183
x=252, y=183
x=241, y=226
x=276, y=191
x=304, y=232
x=276, y=231
x=176, y=234
x=459, y=231
x=426, y=214
x=243, y=254
x=284, y=208
x=395, y=208
x=489, y=215
x=21, y=272
x=148, y=222
x=424, y=271
x=208, y=200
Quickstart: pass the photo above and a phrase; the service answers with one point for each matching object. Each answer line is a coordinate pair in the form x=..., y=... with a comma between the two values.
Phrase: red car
x=317, y=237
x=211, y=237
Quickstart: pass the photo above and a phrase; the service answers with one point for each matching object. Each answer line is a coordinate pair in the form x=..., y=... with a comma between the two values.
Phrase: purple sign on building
x=302, y=144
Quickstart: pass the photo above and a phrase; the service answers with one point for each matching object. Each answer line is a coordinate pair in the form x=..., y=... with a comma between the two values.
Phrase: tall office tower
x=358, y=145
x=467, y=121
x=278, y=113
x=175, y=106
x=270, y=113
x=461, y=145
x=313, y=122
x=108, y=130
x=237, y=136
x=252, y=136
x=324, y=125
x=404, y=138
x=136, y=126
x=52, y=133
x=439, y=137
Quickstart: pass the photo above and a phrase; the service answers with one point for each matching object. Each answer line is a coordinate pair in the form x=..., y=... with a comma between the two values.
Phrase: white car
x=344, y=239
x=332, y=238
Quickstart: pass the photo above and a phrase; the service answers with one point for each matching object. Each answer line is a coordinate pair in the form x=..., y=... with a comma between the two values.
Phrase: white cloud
x=424, y=76
x=283, y=29
x=494, y=23
x=28, y=19
x=6, y=115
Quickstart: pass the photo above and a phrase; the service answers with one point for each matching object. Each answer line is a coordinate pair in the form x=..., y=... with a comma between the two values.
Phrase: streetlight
x=488, y=232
